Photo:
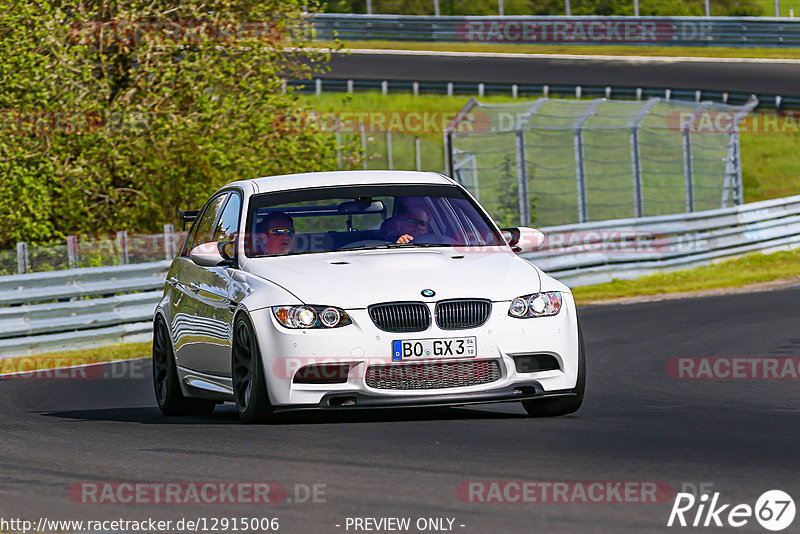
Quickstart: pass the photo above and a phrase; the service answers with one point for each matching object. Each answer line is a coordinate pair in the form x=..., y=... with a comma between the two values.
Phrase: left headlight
x=311, y=316
x=535, y=305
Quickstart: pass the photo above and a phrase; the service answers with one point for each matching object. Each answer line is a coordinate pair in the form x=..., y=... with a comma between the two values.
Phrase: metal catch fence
x=574, y=161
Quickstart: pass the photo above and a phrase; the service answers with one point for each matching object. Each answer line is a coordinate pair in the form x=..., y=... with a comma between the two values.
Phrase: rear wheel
x=249, y=383
x=562, y=405
x=165, y=379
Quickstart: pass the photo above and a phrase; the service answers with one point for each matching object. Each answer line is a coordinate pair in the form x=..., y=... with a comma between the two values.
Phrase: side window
x=228, y=224
x=205, y=226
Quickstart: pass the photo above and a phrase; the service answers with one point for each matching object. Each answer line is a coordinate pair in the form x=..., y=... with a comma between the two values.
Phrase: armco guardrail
x=663, y=31
x=481, y=89
x=78, y=308
x=90, y=307
x=591, y=253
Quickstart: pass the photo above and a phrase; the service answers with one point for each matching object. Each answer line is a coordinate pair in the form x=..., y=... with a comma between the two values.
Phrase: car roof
x=333, y=178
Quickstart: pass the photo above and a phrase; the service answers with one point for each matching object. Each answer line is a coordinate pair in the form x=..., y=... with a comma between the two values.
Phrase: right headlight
x=535, y=305
x=311, y=316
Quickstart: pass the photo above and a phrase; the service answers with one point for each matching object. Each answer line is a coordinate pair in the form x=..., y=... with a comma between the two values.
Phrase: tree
x=112, y=115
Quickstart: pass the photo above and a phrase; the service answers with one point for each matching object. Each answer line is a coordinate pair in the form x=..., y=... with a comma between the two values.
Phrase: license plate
x=408, y=349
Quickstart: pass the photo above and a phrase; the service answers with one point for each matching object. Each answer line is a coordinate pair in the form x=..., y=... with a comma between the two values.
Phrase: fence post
x=363, y=144
x=122, y=246
x=732, y=185
x=522, y=181
x=636, y=155
x=22, y=258
x=318, y=84
x=385, y=87
x=688, y=171
x=580, y=175
x=350, y=86
x=417, y=154
x=739, y=196
x=448, y=154
x=338, y=150
x=389, y=159
x=636, y=162
x=72, y=252
x=169, y=242
x=580, y=163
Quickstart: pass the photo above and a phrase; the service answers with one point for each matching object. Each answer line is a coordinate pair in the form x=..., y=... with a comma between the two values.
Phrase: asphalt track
x=637, y=424
x=756, y=76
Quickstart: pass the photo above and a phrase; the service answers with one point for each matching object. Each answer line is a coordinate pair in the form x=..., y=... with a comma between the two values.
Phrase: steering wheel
x=365, y=243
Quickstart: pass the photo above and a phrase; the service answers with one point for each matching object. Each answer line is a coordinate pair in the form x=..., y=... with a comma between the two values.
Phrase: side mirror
x=523, y=239
x=211, y=254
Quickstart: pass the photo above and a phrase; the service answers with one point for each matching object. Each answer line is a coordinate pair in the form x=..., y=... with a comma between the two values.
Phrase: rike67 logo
x=774, y=510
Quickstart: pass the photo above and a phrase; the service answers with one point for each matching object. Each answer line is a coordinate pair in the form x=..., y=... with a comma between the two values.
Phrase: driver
x=275, y=234
x=411, y=223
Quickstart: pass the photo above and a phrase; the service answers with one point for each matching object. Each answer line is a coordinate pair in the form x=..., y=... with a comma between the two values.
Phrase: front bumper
x=362, y=344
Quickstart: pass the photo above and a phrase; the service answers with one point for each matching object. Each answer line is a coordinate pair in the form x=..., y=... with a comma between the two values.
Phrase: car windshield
x=365, y=217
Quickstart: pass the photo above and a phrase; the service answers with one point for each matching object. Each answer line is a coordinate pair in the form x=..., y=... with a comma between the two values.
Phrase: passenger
x=275, y=234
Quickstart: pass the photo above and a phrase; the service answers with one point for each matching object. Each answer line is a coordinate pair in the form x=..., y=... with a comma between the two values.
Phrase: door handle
x=194, y=287
x=172, y=280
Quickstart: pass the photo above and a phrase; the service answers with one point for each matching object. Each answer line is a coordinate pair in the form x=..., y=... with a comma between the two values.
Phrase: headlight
x=311, y=316
x=535, y=305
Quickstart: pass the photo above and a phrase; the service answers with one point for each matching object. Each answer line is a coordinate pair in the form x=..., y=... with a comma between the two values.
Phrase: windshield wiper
x=394, y=245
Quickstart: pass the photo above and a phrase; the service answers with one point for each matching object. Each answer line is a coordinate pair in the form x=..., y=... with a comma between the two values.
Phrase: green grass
x=750, y=269
x=612, y=50
x=768, y=7
x=770, y=165
x=52, y=360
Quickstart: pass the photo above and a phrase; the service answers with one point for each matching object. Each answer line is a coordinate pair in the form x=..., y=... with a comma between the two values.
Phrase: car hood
x=357, y=279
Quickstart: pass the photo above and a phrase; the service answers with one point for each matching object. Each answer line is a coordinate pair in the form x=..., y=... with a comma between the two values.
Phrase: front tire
x=562, y=405
x=170, y=399
x=249, y=382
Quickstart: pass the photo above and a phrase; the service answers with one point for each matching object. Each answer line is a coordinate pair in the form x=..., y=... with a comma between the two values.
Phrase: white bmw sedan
x=360, y=289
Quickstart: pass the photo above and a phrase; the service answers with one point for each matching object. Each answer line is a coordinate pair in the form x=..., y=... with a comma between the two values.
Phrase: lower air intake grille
x=400, y=316
x=433, y=375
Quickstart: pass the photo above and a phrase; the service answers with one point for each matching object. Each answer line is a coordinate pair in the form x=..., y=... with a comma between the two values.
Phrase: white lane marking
x=579, y=57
